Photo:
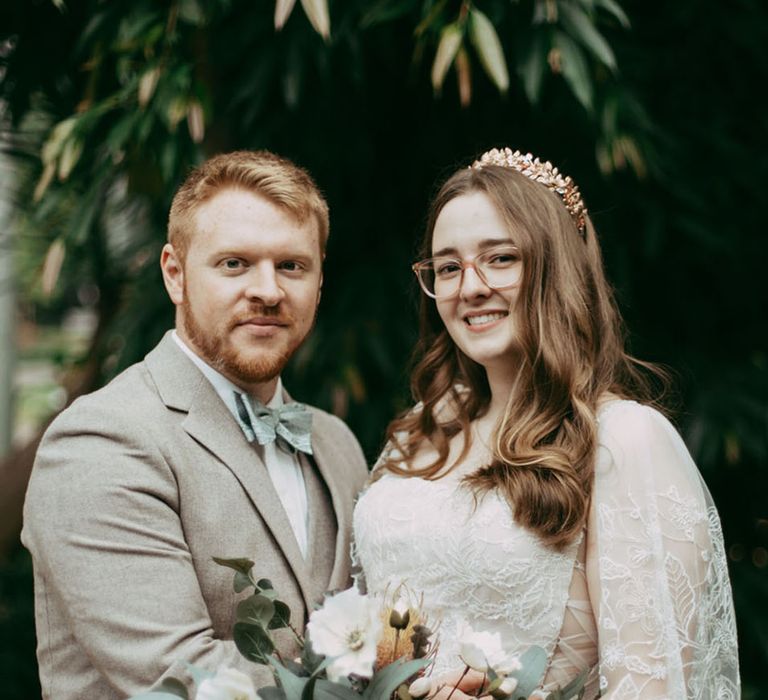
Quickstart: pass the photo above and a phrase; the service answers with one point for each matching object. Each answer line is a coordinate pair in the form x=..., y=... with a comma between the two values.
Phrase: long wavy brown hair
x=572, y=344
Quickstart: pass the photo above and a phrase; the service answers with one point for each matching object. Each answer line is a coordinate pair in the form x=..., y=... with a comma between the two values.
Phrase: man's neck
x=263, y=391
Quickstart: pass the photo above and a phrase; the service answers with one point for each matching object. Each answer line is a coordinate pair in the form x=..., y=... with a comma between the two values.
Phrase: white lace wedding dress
x=642, y=599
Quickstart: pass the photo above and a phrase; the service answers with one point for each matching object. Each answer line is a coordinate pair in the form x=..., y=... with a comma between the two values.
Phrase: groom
x=196, y=452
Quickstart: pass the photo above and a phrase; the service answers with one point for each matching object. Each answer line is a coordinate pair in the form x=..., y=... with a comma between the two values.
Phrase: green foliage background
x=668, y=146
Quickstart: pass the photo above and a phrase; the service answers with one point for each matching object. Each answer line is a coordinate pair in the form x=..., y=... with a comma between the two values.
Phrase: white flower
x=346, y=629
x=227, y=684
x=508, y=686
x=483, y=650
x=420, y=687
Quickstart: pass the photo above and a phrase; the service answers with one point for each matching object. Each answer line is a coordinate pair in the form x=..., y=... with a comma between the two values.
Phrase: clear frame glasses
x=441, y=277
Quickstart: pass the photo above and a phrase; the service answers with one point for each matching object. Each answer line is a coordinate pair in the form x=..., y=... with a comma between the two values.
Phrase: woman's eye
x=503, y=258
x=447, y=268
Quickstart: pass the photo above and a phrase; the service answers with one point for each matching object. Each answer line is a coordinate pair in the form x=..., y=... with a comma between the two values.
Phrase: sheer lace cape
x=642, y=599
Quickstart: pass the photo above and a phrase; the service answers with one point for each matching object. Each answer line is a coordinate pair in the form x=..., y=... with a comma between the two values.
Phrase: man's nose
x=264, y=286
x=472, y=285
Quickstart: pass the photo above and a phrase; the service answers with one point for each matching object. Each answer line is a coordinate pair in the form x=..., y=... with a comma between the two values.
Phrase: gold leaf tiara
x=544, y=173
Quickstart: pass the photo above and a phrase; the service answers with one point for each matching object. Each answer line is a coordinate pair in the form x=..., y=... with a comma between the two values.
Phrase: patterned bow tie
x=289, y=426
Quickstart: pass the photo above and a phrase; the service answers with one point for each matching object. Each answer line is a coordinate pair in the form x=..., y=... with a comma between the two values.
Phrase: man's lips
x=262, y=321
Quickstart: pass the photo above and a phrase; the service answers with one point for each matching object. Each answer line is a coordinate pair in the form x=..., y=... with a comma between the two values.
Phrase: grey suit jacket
x=134, y=489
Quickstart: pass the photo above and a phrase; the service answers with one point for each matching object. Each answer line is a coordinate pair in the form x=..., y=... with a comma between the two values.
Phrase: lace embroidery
x=644, y=600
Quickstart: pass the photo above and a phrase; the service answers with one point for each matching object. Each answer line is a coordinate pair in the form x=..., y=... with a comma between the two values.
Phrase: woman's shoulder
x=629, y=422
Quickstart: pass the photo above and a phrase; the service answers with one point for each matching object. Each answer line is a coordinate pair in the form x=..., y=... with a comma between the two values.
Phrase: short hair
x=279, y=180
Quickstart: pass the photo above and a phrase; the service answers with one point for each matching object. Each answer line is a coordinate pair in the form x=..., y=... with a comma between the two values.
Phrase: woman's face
x=478, y=317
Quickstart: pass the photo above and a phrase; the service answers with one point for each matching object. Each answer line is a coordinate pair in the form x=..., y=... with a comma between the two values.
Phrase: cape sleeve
x=656, y=566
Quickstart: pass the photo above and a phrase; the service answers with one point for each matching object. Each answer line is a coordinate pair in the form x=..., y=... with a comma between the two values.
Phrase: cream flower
x=227, y=684
x=483, y=650
x=347, y=630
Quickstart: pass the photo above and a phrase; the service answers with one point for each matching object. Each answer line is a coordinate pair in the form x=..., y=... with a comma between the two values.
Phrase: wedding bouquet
x=357, y=648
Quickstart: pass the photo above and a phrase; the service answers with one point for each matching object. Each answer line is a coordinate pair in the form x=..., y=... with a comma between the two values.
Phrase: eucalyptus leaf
x=326, y=690
x=241, y=582
x=533, y=666
x=253, y=642
x=486, y=41
x=292, y=685
x=281, y=615
x=244, y=566
x=271, y=692
x=385, y=682
x=576, y=22
x=265, y=584
x=256, y=609
x=575, y=69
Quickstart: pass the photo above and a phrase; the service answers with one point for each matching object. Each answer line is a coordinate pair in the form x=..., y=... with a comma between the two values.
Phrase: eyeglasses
x=442, y=277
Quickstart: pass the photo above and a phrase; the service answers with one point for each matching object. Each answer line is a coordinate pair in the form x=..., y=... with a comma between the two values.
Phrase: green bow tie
x=289, y=426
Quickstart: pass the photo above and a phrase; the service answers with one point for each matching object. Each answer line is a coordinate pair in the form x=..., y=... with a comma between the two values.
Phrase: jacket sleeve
x=101, y=520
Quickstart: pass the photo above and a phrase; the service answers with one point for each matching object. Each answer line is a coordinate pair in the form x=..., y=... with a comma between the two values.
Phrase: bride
x=534, y=490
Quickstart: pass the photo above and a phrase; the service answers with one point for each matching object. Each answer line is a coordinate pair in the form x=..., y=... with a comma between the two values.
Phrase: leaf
x=385, y=11
x=191, y=12
x=253, y=642
x=54, y=259
x=464, y=77
x=196, y=121
x=45, y=179
x=271, y=692
x=290, y=683
x=55, y=142
x=264, y=584
x=575, y=70
x=283, y=9
x=244, y=566
x=488, y=46
x=613, y=7
x=326, y=690
x=241, y=582
x=155, y=695
x=317, y=12
x=281, y=617
x=147, y=85
x=534, y=664
x=70, y=154
x=256, y=609
x=450, y=41
x=385, y=681
x=581, y=27
x=533, y=69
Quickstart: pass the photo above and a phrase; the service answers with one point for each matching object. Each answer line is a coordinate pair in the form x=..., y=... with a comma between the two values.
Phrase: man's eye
x=290, y=266
x=233, y=264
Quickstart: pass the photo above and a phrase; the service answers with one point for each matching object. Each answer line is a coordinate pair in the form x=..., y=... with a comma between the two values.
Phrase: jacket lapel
x=209, y=422
x=324, y=454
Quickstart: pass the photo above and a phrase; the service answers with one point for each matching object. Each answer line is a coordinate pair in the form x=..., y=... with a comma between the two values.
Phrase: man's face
x=248, y=290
